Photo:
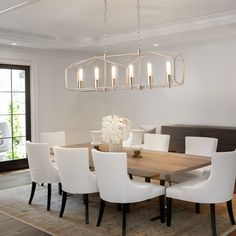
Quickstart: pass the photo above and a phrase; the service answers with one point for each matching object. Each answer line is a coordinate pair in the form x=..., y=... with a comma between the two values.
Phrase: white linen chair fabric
x=135, y=139
x=218, y=188
x=201, y=146
x=157, y=142
x=41, y=168
x=5, y=132
x=75, y=175
x=115, y=186
x=57, y=138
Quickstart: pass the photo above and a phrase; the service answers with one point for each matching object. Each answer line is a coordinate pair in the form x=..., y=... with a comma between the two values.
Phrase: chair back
x=220, y=184
x=157, y=142
x=96, y=136
x=74, y=172
x=111, y=172
x=202, y=146
x=5, y=134
x=135, y=138
x=57, y=138
x=41, y=168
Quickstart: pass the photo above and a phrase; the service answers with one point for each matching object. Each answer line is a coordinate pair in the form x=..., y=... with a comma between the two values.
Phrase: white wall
x=53, y=108
x=208, y=96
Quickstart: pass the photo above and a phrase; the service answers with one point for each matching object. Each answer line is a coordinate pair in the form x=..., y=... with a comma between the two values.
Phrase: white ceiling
x=78, y=24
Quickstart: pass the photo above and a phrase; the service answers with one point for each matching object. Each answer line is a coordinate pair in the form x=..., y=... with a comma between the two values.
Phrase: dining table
x=150, y=163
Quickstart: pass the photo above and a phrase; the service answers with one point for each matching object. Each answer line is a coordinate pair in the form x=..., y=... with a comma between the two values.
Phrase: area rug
x=14, y=202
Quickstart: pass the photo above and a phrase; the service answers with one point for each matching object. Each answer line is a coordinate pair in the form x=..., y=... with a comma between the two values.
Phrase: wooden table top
x=153, y=162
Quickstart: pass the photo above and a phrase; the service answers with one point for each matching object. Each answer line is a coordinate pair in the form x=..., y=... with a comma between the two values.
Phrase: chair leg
x=63, y=203
x=101, y=211
x=130, y=176
x=147, y=179
x=169, y=210
x=213, y=219
x=162, y=208
x=230, y=211
x=197, y=208
x=124, y=219
x=86, y=208
x=118, y=206
x=33, y=187
x=59, y=189
x=49, y=196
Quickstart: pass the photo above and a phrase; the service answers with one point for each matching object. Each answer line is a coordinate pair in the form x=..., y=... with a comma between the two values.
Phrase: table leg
x=162, y=183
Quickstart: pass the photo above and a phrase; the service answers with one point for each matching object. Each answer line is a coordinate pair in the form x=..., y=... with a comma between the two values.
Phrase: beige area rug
x=14, y=203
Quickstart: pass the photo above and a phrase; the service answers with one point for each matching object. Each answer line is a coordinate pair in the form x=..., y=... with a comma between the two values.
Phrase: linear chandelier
x=128, y=71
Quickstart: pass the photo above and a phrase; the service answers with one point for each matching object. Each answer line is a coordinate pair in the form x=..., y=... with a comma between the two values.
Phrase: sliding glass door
x=15, y=126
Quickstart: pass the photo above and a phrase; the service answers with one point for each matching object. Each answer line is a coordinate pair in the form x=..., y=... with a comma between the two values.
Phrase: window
x=15, y=126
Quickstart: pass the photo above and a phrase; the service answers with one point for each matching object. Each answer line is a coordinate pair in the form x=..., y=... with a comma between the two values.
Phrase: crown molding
x=46, y=42
x=19, y=5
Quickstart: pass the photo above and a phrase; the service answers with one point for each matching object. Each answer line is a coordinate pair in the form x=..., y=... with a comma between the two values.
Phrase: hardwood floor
x=8, y=225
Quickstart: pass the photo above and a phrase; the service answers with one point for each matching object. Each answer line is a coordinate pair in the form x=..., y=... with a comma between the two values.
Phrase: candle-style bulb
x=113, y=76
x=168, y=68
x=96, y=76
x=80, y=77
x=96, y=73
x=149, y=69
x=168, y=73
x=131, y=74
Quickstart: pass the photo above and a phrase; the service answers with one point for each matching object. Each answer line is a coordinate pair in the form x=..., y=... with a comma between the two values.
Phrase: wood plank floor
x=8, y=225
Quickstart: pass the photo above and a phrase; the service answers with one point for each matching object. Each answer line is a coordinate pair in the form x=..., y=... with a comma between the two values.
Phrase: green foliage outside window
x=15, y=123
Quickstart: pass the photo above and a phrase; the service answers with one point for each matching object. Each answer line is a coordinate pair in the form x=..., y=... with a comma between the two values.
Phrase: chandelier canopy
x=138, y=70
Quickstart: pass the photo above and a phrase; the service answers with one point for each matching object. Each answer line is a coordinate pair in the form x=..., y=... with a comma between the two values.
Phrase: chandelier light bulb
x=149, y=72
x=168, y=68
x=80, y=75
x=96, y=76
x=131, y=74
x=80, y=78
x=113, y=76
x=168, y=73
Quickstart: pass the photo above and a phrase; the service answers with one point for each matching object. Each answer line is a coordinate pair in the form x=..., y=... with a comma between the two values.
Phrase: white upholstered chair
x=75, y=175
x=115, y=186
x=156, y=142
x=57, y=138
x=218, y=188
x=201, y=146
x=5, y=135
x=41, y=168
x=135, y=139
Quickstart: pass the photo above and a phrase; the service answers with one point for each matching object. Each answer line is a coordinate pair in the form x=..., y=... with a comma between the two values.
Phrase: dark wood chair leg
x=49, y=196
x=119, y=206
x=130, y=176
x=147, y=179
x=33, y=187
x=86, y=208
x=101, y=211
x=124, y=219
x=197, y=208
x=162, y=208
x=169, y=211
x=213, y=219
x=63, y=203
x=59, y=189
x=230, y=211
x=162, y=182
